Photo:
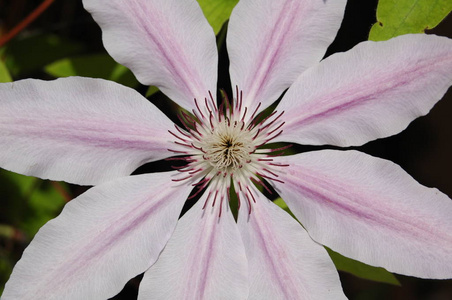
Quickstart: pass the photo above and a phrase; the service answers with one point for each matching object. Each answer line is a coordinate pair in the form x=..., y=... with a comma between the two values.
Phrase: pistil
x=221, y=148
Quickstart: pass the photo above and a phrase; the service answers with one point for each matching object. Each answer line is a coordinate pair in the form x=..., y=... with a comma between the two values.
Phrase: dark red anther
x=177, y=151
x=244, y=114
x=252, y=196
x=268, y=177
x=257, y=133
x=181, y=179
x=221, y=206
x=196, y=171
x=249, y=204
x=200, y=111
x=261, y=183
x=279, y=165
x=213, y=100
x=182, y=144
x=255, y=111
x=198, y=148
x=207, y=199
x=215, y=198
x=279, y=126
x=281, y=148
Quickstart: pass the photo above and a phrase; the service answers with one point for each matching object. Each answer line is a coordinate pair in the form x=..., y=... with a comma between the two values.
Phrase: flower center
x=222, y=147
x=229, y=146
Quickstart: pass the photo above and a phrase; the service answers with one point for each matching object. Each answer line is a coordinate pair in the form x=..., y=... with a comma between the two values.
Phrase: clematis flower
x=94, y=132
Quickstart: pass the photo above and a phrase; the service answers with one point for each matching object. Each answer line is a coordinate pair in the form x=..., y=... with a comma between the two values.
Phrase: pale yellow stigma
x=229, y=146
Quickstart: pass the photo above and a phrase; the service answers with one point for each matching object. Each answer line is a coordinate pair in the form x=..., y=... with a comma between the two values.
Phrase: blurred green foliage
x=30, y=54
x=361, y=270
x=217, y=11
x=95, y=66
x=31, y=201
x=397, y=17
x=4, y=73
x=27, y=204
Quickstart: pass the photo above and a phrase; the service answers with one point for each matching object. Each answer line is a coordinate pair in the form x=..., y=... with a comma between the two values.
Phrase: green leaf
x=28, y=202
x=151, y=91
x=397, y=17
x=33, y=53
x=361, y=270
x=96, y=66
x=4, y=73
x=280, y=202
x=217, y=12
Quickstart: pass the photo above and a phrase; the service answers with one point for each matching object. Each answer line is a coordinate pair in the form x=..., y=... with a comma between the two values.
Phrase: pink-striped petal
x=284, y=262
x=102, y=239
x=80, y=130
x=372, y=91
x=369, y=209
x=270, y=43
x=204, y=259
x=167, y=43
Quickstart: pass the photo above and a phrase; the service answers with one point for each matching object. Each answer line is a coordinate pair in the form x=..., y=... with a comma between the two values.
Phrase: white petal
x=369, y=209
x=81, y=130
x=372, y=91
x=270, y=43
x=284, y=262
x=204, y=259
x=166, y=43
x=102, y=239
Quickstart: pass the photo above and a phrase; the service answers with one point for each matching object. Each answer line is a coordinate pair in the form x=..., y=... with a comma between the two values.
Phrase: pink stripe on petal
x=369, y=209
x=81, y=130
x=270, y=43
x=372, y=91
x=102, y=239
x=168, y=44
x=204, y=259
x=284, y=262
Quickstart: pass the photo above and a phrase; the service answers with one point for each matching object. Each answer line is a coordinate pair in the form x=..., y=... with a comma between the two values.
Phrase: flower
x=95, y=132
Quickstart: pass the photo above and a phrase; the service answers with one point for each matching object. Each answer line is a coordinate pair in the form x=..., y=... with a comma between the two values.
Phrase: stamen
x=249, y=204
x=196, y=171
x=222, y=149
x=181, y=132
x=279, y=165
x=197, y=148
x=200, y=111
x=214, y=105
x=261, y=183
x=255, y=111
x=177, y=137
x=207, y=199
x=177, y=151
x=182, y=179
x=244, y=114
x=268, y=177
x=205, y=180
x=182, y=144
x=185, y=158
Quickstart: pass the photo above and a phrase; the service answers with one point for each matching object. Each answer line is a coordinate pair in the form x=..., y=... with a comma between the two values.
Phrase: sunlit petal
x=102, y=239
x=204, y=259
x=166, y=43
x=270, y=43
x=284, y=262
x=81, y=130
x=369, y=209
x=372, y=91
